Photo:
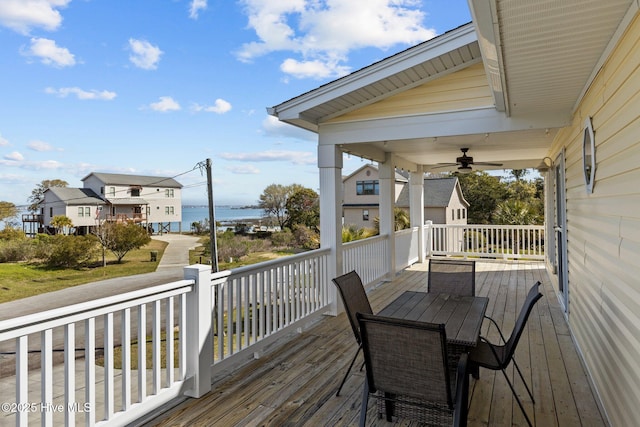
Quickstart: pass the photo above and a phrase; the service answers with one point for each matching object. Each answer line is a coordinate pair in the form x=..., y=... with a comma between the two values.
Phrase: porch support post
x=330, y=165
x=416, y=209
x=199, y=332
x=387, y=203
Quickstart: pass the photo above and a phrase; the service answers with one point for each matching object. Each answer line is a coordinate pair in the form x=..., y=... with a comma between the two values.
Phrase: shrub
x=11, y=233
x=283, y=239
x=15, y=250
x=72, y=251
x=305, y=237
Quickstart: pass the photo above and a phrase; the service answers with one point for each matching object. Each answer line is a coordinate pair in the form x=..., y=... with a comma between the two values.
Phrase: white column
x=387, y=203
x=199, y=332
x=416, y=211
x=330, y=167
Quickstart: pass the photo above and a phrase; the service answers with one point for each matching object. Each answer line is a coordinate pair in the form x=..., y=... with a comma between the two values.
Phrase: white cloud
x=166, y=103
x=144, y=55
x=63, y=92
x=14, y=157
x=21, y=15
x=195, y=7
x=273, y=127
x=220, y=106
x=40, y=146
x=50, y=54
x=325, y=32
x=295, y=157
x=3, y=141
x=244, y=170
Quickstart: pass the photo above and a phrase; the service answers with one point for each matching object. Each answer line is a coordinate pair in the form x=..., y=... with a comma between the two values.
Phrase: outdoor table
x=462, y=316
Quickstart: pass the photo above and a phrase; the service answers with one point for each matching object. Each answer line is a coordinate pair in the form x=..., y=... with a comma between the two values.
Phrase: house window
x=148, y=210
x=84, y=212
x=459, y=214
x=101, y=190
x=168, y=192
x=464, y=213
x=135, y=192
x=367, y=188
x=168, y=210
x=51, y=212
x=80, y=212
x=112, y=191
x=365, y=214
x=453, y=214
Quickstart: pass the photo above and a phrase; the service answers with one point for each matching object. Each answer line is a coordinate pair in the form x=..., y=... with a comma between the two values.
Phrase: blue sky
x=154, y=87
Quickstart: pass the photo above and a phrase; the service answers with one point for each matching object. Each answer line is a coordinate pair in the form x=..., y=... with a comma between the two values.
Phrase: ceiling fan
x=465, y=162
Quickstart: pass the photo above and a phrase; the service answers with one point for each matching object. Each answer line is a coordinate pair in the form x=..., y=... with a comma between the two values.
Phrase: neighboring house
x=549, y=85
x=361, y=198
x=80, y=205
x=443, y=199
x=152, y=201
x=444, y=202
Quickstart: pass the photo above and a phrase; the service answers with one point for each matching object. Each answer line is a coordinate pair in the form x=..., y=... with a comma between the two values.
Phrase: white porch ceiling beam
x=468, y=122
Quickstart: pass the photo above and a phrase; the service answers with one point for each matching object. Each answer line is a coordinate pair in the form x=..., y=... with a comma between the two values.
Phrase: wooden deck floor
x=296, y=385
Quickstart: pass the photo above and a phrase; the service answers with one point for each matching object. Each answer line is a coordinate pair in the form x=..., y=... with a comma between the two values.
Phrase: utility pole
x=212, y=221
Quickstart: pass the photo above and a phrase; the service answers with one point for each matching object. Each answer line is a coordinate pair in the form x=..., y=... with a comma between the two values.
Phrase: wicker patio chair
x=355, y=300
x=452, y=276
x=498, y=357
x=407, y=372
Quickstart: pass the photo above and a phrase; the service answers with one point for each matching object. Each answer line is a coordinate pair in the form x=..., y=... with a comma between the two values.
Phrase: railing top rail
x=180, y=286
x=515, y=227
x=274, y=263
x=366, y=241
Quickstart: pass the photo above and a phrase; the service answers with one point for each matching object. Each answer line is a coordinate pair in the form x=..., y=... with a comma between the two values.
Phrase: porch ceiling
x=539, y=58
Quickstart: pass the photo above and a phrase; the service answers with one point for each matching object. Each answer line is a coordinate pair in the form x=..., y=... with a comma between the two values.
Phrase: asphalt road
x=170, y=269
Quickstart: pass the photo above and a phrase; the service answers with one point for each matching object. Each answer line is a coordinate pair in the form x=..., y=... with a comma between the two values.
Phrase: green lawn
x=22, y=280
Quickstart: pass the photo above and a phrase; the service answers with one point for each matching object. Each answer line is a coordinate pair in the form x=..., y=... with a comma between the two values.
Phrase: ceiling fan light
x=465, y=169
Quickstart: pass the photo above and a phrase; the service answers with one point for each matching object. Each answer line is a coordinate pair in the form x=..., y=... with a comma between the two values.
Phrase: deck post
x=387, y=203
x=330, y=168
x=199, y=332
x=416, y=208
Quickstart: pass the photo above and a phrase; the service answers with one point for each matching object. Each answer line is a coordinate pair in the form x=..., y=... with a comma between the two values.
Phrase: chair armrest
x=504, y=341
x=462, y=393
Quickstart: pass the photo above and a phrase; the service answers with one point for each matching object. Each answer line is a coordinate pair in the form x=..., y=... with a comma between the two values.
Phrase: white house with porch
x=549, y=85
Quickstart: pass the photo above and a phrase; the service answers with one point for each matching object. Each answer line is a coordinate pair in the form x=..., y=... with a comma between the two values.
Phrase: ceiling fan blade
x=444, y=165
x=487, y=164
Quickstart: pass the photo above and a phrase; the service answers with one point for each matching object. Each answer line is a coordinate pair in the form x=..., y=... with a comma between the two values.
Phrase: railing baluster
x=69, y=373
x=142, y=352
x=182, y=326
x=22, y=379
x=155, y=347
x=90, y=370
x=108, y=367
x=125, y=336
x=169, y=341
x=46, y=375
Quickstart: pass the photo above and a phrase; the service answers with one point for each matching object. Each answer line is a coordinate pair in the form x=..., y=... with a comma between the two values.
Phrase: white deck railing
x=364, y=257
x=78, y=386
x=196, y=330
x=488, y=241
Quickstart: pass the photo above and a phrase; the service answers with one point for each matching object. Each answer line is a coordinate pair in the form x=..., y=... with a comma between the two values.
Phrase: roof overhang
x=539, y=59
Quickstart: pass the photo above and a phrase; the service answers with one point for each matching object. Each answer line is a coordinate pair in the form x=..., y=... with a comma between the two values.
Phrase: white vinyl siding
x=603, y=231
x=461, y=90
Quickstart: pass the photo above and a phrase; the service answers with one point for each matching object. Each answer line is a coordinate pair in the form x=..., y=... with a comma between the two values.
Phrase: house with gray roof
x=444, y=202
x=144, y=200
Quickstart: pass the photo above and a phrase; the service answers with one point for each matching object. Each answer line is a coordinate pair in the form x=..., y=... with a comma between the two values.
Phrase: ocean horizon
x=222, y=214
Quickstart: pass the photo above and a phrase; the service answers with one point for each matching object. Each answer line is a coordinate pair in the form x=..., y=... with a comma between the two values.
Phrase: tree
x=61, y=223
x=37, y=194
x=8, y=211
x=121, y=238
x=518, y=174
x=303, y=208
x=401, y=220
x=273, y=201
x=483, y=192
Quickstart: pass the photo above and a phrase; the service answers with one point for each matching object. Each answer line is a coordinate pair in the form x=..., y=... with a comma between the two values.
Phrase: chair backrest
x=457, y=277
x=354, y=298
x=532, y=297
x=406, y=358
